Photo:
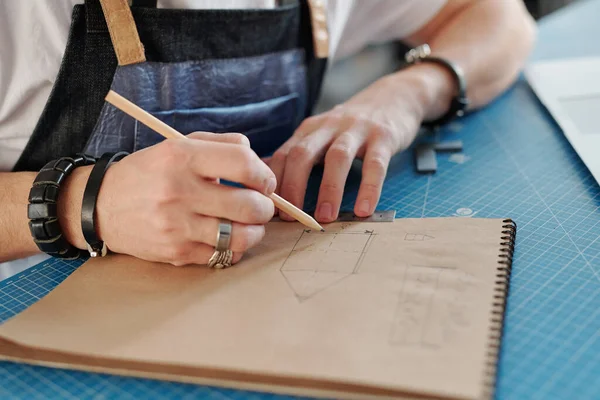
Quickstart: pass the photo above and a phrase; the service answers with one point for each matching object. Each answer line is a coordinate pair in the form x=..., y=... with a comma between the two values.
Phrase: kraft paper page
x=371, y=308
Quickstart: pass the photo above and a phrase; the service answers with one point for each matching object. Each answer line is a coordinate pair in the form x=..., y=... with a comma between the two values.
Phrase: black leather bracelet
x=459, y=102
x=96, y=247
x=42, y=210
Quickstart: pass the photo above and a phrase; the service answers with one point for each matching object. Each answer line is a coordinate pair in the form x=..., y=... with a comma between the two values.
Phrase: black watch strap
x=96, y=247
x=459, y=102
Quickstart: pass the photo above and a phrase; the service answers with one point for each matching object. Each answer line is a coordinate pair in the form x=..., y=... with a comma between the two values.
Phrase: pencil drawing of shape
x=434, y=307
x=417, y=237
x=412, y=320
x=319, y=261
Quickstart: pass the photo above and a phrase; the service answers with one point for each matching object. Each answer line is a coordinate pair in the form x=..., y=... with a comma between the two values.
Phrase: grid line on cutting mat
x=551, y=343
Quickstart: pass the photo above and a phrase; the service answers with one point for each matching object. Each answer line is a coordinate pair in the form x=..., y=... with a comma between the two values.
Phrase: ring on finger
x=223, y=256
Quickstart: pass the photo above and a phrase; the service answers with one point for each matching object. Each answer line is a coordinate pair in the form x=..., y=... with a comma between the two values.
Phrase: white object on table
x=11, y=268
x=570, y=90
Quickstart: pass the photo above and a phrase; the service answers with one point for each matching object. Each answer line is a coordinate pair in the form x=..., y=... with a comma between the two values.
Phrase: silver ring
x=223, y=256
x=223, y=235
x=221, y=259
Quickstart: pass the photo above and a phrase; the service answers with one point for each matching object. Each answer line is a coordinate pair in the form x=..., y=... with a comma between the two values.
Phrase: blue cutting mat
x=516, y=164
x=551, y=347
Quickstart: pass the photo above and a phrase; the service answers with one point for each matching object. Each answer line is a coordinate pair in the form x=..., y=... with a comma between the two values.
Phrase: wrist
x=106, y=205
x=69, y=206
x=433, y=87
x=15, y=237
x=93, y=201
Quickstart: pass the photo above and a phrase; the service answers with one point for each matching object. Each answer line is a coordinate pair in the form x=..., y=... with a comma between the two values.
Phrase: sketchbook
x=406, y=309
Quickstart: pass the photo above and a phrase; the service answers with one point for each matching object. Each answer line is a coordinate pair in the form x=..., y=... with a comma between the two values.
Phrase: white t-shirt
x=33, y=36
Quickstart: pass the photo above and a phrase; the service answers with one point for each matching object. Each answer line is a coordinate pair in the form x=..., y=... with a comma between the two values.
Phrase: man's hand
x=373, y=125
x=163, y=203
x=488, y=39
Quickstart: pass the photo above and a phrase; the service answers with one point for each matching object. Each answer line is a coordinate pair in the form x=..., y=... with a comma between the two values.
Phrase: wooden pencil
x=168, y=132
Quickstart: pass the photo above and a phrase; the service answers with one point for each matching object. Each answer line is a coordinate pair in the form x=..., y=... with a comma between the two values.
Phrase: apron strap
x=129, y=48
x=123, y=32
x=320, y=34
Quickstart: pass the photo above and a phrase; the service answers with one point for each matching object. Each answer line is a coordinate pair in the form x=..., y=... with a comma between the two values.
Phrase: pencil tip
x=322, y=230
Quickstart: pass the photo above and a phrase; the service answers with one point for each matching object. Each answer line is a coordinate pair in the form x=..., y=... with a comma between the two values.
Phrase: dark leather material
x=38, y=230
x=64, y=165
x=52, y=228
x=45, y=229
x=42, y=210
x=90, y=197
x=37, y=194
x=43, y=193
x=51, y=193
x=58, y=247
x=50, y=176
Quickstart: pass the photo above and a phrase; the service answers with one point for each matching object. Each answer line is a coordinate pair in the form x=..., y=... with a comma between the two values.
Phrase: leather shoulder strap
x=320, y=33
x=123, y=32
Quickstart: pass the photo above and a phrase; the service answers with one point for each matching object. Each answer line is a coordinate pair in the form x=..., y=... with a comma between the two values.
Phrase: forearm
x=15, y=238
x=489, y=39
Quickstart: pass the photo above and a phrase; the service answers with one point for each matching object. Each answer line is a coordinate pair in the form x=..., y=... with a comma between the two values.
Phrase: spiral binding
x=505, y=258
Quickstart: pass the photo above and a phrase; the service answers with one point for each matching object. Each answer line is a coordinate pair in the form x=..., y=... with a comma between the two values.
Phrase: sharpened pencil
x=168, y=132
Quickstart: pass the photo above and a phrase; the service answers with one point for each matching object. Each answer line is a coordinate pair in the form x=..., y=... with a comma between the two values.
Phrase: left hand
x=373, y=125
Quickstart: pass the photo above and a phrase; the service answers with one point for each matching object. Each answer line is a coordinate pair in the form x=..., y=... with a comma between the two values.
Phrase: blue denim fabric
x=175, y=36
x=267, y=124
x=263, y=97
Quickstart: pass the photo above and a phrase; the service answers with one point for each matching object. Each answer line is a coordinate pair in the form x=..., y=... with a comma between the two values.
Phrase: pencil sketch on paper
x=433, y=303
x=434, y=306
x=417, y=237
x=320, y=260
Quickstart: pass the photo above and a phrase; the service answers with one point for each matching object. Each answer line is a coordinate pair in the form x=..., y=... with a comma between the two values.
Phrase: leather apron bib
x=250, y=71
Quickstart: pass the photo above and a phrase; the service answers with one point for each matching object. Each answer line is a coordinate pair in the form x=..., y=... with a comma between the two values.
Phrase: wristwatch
x=459, y=102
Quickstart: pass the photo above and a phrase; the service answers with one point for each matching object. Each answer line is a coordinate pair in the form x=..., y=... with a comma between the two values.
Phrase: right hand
x=163, y=203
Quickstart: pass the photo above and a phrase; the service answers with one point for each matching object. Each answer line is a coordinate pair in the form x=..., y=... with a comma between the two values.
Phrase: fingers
x=233, y=138
x=375, y=165
x=338, y=161
x=278, y=161
x=195, y=253
x=217, y=160
x=301, y=158
x=204, y=229
x=236, y=204
x=200, y=233
x=339, y=138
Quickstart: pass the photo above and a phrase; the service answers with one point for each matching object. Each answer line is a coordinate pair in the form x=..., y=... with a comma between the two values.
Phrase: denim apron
x=249, y=71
